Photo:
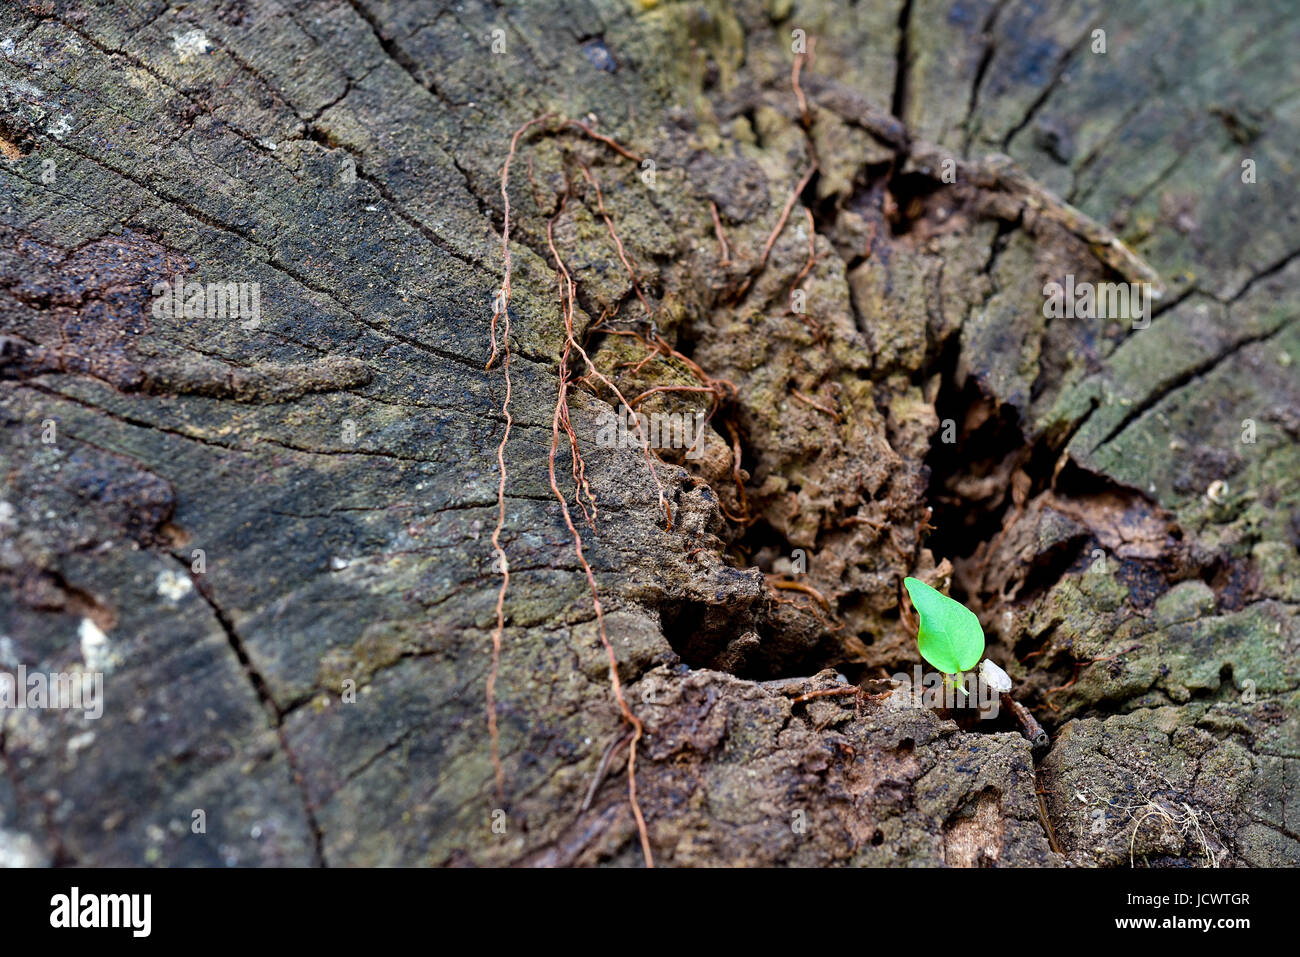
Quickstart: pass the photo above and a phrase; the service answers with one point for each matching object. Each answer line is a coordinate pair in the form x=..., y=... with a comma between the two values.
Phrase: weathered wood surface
x=336, y=461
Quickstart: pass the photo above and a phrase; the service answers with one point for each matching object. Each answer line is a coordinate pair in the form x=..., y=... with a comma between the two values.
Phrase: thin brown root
x=861, y=520
x=501, y=310
x=618, y=243
x=860, y=697
x=602, y=138
x=785, y=214
x=722, y=236
x=567, y=298
x=722, y=389
x=741, y=497
x=776, y=232
x=812, y=250
x=656, y=390
x=1078, y=667
x=786, y=585
x=804, y=116
x=840, y=692
x=906, y=616
x=816, y=405
x=560, y=406
x=602, y=768
x=808, y=320
x=567, y=309
x=1047, y=824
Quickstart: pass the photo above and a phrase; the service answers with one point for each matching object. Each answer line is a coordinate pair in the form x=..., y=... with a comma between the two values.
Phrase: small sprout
x=950, y=636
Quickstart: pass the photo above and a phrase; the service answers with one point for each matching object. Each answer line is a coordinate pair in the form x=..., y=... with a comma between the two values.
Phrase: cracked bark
x=283, y=452
x=273, y=709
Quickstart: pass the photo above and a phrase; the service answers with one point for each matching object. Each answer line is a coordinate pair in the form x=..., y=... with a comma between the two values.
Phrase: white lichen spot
x=19, y=850
x=994, y=677
x=173, y=585
x=1217, y=491
x=94, y=646
x=191, y=44
x=81, y=741
x=27, y=91
x=60, y=127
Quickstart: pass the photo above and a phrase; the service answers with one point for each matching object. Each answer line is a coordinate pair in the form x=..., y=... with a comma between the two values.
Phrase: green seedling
x=950, y=636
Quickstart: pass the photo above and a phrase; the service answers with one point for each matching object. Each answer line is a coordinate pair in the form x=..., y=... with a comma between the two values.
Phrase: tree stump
x=261, y=349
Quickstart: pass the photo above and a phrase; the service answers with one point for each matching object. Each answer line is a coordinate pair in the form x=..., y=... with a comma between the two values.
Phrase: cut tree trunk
x=822, y=230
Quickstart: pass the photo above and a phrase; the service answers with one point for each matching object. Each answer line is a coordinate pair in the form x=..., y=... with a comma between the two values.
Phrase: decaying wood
x=281, y=538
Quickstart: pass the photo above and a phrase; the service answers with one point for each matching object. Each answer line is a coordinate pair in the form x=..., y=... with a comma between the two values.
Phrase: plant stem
x=1029, y=726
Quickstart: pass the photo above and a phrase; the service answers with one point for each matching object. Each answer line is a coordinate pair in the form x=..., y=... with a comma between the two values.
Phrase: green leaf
x=950, y=637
